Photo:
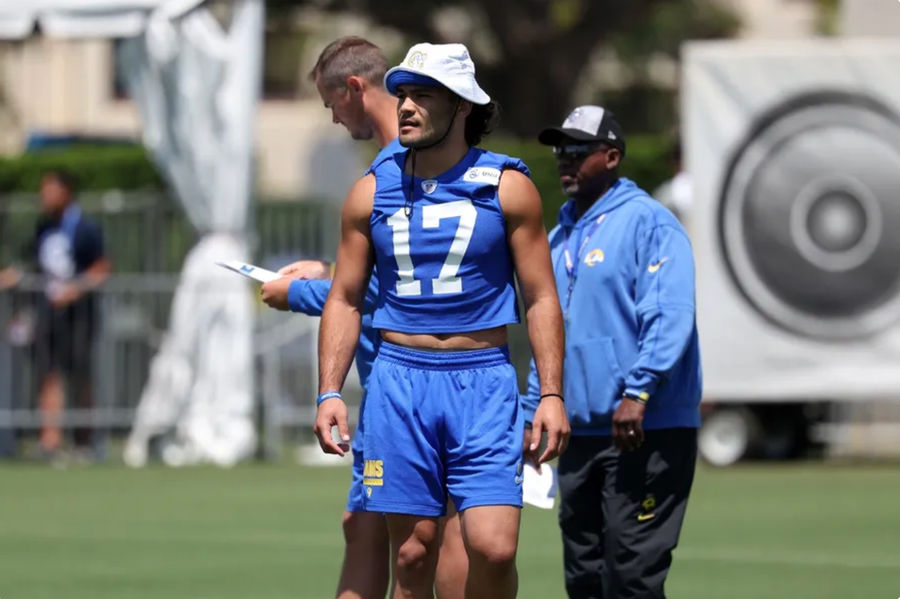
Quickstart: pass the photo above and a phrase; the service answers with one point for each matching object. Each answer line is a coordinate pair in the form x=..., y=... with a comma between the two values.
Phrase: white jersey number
x=447, y=281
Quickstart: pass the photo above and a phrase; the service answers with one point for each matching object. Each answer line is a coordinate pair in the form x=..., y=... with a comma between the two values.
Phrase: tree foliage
x=530, y=54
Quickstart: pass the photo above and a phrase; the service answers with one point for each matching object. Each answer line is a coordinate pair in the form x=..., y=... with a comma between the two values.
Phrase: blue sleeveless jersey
x=385, y=153
x=448, y=268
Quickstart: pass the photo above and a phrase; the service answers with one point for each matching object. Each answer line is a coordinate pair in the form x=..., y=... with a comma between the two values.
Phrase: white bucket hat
x=445, y=64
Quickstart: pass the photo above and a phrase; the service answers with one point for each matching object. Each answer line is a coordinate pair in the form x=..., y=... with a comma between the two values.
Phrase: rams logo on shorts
x=373, y=474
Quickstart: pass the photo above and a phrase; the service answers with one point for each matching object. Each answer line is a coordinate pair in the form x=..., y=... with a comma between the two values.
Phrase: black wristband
x=552, y=395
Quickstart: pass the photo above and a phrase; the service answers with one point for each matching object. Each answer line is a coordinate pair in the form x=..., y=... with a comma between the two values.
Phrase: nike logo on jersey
x=654, y=267
x=645, y=517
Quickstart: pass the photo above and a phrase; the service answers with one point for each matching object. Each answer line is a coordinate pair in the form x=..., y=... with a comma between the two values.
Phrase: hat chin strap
x=408, y=205
x=446, y=132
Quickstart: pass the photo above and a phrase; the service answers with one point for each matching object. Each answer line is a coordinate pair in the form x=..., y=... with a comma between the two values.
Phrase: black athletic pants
x=621, y=513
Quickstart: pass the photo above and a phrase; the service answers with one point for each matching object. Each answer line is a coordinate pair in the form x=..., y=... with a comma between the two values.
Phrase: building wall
x=66, y=86
x=60, y=86
x=776, y=19
x=870, y=18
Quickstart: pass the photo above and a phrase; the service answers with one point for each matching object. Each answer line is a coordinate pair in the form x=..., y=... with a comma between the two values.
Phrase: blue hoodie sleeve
x=308, y=296
x=664, y=301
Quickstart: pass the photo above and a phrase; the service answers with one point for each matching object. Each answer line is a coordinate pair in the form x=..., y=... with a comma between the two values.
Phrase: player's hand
x=527, y=454
x=307, y=269
x=550, y=418
x=9, y=277
x=275, y=293
x=332, y=412
x=627, y=427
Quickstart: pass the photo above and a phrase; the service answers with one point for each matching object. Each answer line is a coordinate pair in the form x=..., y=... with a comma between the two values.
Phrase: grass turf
x=272, y=531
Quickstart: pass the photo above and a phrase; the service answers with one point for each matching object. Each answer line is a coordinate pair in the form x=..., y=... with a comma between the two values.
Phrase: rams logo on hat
x=416, y=60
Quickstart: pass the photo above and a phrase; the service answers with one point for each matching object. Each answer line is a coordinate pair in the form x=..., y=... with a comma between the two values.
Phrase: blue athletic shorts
x=356, y=498
x=439, y=424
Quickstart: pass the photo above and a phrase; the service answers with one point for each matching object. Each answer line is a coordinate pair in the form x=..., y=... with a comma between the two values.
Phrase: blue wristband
x=328, y=395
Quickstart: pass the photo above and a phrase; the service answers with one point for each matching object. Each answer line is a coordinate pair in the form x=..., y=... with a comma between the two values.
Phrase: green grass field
x=264, y=531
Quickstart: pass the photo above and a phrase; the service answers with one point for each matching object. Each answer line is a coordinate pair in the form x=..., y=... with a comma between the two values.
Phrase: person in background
x=625, y=277
x=676, y=193
x=67, y=250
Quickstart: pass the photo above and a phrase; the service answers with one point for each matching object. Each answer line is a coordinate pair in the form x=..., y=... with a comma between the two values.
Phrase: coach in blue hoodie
x=632, y=381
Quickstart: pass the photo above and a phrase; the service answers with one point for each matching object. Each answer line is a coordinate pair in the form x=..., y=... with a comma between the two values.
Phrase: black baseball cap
x=588, y=124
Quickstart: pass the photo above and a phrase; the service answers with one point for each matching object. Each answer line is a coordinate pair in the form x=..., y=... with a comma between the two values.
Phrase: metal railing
x=133, y=313
x=147, y=238
x=146, y=232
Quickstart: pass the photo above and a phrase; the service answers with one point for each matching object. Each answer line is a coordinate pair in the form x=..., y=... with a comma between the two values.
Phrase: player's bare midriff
x=483, y=339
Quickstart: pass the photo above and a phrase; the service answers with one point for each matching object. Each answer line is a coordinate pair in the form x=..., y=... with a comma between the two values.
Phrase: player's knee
x=496, y=552
x=415, y=558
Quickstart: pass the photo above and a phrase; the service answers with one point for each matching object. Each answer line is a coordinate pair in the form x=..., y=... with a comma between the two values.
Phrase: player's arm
x=307, y=269
x=339, y=330
x=18, y=263
x=95, y=275
x=302, y=288
x=92, y=245
x=9, y=277
x=530, y=250
x=664, y=302
x=296, y=295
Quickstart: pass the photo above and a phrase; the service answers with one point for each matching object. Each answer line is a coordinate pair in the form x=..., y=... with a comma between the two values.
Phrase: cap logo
x=611, y=135
x=585, y=118
x=429, y=185
x=416, y=60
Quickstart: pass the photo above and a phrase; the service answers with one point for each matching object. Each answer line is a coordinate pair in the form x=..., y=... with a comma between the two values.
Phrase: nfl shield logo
x=429, y=185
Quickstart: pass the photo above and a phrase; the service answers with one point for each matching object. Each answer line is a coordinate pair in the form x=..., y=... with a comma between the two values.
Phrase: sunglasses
x=578, y=151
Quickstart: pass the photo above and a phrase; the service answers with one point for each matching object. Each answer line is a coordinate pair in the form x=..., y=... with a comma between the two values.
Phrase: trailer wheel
x=726, y=435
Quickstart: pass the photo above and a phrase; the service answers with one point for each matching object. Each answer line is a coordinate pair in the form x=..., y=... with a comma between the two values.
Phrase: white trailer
x=793, y=151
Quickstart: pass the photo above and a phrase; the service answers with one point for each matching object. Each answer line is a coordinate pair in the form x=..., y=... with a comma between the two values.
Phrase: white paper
x=250, y=271
x=539, y=488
